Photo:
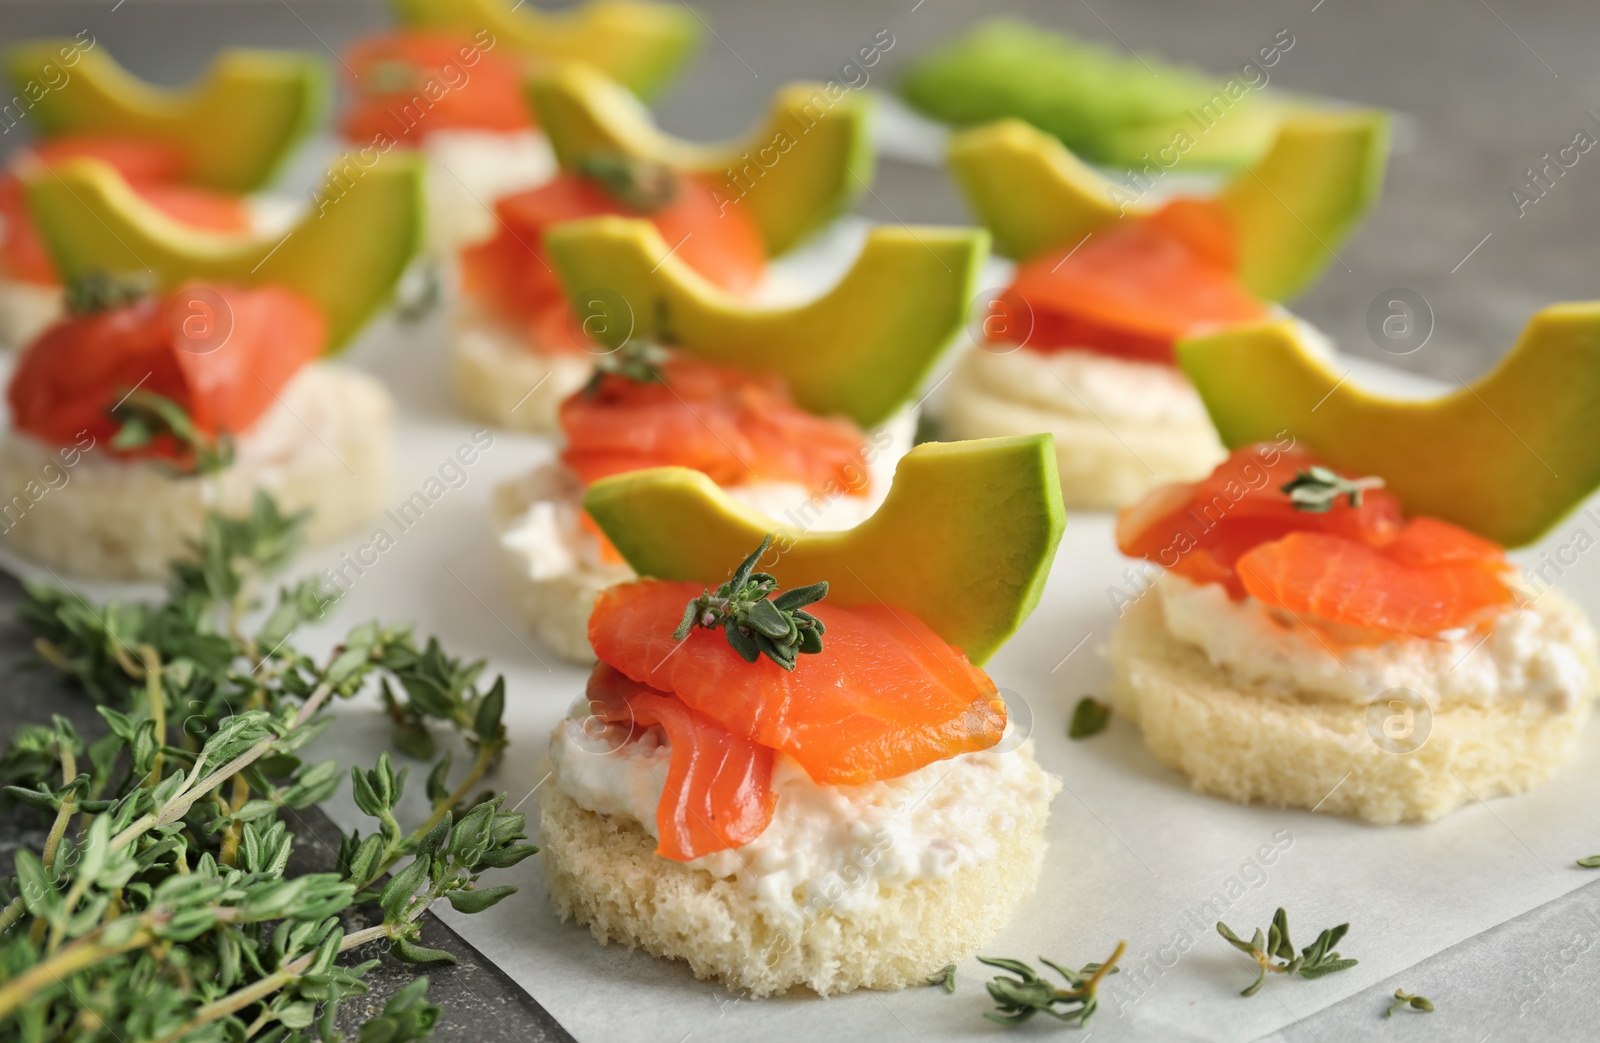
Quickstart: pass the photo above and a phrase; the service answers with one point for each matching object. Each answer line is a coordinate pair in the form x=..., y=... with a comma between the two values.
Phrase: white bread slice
x=1106, y=461
x=26, y=309
x=1254, y=743
x=326, y=446
x=501, y=381
x=604, y=872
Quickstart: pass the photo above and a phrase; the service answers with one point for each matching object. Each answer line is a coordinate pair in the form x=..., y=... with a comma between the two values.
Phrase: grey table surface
x=1486, y=88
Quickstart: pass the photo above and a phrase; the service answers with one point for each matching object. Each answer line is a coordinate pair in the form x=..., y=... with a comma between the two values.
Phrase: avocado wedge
x=862, y=349
x=236, y=124
x=642, y=45
x=801, y=168
x=1507, y=457
x=1293, y=207
x=345, y=255
x=964, y=540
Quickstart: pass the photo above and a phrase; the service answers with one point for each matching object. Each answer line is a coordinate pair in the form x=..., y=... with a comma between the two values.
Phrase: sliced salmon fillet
x=151, y=170
x=1341, y=581
x=1365, y=567
x=718, y=792
x=513, y=275
x=886, y=695
x=69, y=378
x=1135, y=287
x=735, y=427
x=408, y=84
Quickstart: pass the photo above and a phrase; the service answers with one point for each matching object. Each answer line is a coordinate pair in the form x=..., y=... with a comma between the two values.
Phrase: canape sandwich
x=1338, y=626
x=1081, y=342
x=800, y=413
x=166, y=144
x=522, y=344
x=195, y=378
x=785, y=781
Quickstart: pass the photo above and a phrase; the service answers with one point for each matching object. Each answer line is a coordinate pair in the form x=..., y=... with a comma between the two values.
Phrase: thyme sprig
x=1404, y=999
x=161, y=906
x=1314, y=961
x=639, y=184
x=1021, y=997
x=96, y=291
x=757, y=624
x=1316, y=490
x=147, y=416
x=945, y=979
x=635, y=360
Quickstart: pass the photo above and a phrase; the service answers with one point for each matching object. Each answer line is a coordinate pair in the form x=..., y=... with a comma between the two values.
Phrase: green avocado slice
x=801, y=168
x=236, y=124
x=345, y=255
x=862, y=349
x=1293, y=208
x=642, y=45
x=964, y=540
x=1507, y=457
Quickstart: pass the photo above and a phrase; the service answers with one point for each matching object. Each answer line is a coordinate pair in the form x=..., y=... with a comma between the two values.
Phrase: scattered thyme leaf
x=1089, y=717
x=1024, y=993
x=1314, y=961
x=755, y=626
x=1317, y=489
x=146, y=416
x=639, y=184
x=1592, y=862
x=1404, y=999
x=946, y=978
x=94, y=292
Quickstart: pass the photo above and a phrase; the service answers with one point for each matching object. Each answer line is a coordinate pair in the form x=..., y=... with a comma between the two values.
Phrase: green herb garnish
x=1314, y=961
x=1404, y=999
x=161, y=905
x=946, y=978
x=1020, y=998
x=94, y=292
x=757, y=624
x=1089, y=717
x=638, y=184
x=1318, y=489
x=146, y=416
x=1592, y=862
x=635, y=360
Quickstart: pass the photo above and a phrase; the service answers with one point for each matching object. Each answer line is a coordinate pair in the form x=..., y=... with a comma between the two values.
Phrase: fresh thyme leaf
x=1592, y=862
x=1314, y=961
x=1089, y=717
x=161, y=905
x=146, y=416
x=1404, y=999
x=1025, y=993
x=94, y=292
x=946, y=978
x=639, y=184
x=755, y=623
x=638, y=361
x=1316, y=490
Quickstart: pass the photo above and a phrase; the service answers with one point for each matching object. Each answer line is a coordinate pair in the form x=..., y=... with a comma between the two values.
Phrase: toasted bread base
x=126, y=520
x=1294, y=749
x=604, y=873
x=501, y=381
x=1105, y=462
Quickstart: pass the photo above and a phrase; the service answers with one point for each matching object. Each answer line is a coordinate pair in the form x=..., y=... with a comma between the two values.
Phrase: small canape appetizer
x=176, y=406
x=519, y=350
x=1338, y=627
x=191, y=154
x=799, y=412
x=207, y=362
x=1106, y=106
x=460, y=102
x=1081, y=343
x=798, y=778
